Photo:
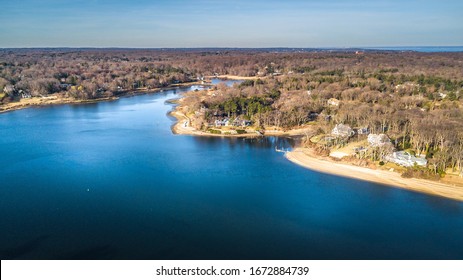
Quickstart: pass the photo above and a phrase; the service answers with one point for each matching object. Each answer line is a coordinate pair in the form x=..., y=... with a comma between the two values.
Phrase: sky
x=237, y=23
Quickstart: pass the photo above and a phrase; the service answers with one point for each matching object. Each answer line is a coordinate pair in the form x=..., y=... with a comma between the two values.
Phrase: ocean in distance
x=110, y=181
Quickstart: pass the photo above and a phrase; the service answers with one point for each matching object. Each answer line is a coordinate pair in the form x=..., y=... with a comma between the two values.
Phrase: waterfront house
x=222, y=122
x=405, y=159
x=25, y=94
x=218, y=123
x=240, y=122
x=378, y=140
x=342, y=130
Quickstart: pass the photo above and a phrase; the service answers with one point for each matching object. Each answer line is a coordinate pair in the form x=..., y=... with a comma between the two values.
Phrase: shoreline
x=44, y=102
x=234, y=77
x=179, y=129
x=305, y=158
x=58, y=100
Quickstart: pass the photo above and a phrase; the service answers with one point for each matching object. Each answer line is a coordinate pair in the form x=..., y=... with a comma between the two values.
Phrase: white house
x=378, y=140
x=25, y=94
x=342, y=130
x=405, y=159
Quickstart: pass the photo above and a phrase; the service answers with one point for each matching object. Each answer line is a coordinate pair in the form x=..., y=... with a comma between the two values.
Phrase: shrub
x=420, y=174
x=214, y=131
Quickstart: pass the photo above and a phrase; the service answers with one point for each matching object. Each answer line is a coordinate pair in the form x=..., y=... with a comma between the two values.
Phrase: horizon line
x=274, y=47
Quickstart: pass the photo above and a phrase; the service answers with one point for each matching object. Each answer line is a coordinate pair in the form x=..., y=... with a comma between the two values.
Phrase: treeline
x=93, y=73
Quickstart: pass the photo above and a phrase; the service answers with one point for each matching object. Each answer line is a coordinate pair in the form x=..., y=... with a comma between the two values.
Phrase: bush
x=214, y=131
x=240, y=131
x=420, y=174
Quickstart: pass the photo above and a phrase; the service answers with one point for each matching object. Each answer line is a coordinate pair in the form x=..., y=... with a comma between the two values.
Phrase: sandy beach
x=47, y=101
x=305, y=158
x=58, y=100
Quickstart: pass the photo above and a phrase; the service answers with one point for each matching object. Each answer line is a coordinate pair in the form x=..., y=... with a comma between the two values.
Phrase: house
x=240, y=122
x=222, y=122
x=25, y=94
x=405, y=159
x=9, y=89
x=363, y=131
x=333, y=102
x=201, y=111
x=218, y=123
x=378, y=140
x=342, y=130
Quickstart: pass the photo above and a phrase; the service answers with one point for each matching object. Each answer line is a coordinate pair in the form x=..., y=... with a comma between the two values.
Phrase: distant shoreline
x=234, y=77
x=306, y=158
x=58, y=100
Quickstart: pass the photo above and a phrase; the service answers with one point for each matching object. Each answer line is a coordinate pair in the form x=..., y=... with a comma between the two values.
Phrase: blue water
x=111, y=181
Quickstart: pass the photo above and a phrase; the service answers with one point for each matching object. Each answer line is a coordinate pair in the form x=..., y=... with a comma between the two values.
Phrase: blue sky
x=238, y=23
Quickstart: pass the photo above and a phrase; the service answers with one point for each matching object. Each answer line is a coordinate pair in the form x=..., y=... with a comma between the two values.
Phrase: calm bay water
x=111, y=181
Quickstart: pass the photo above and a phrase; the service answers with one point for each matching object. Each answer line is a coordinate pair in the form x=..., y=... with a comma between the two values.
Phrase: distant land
x=275, y=49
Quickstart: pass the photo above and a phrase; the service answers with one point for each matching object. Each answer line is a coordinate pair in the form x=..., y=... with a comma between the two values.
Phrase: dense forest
x=416, y=99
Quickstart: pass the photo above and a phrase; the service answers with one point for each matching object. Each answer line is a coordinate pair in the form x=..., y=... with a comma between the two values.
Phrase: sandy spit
x=306, y=158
